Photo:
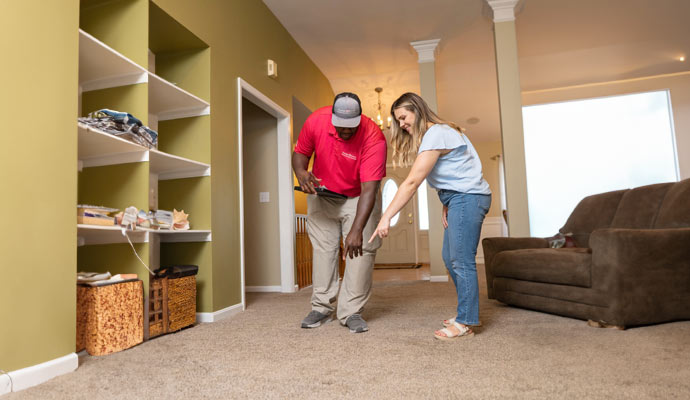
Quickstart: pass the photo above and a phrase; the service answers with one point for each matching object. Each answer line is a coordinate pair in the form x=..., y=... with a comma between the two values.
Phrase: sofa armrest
x=495, y=245
x=646, y=273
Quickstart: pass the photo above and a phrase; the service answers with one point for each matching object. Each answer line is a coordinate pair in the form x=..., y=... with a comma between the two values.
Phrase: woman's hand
x=382, y=229
x=444, y=217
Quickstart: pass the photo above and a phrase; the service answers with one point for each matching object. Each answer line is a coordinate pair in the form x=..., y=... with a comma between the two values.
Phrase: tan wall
x=261, y=239
x=38, y=171
x=677, y=84
x=242, y=36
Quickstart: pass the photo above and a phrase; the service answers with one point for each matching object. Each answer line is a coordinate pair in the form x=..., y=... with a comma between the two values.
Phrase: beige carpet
x=262, y=353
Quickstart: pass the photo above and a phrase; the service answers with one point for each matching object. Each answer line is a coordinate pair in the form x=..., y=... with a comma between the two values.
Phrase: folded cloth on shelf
x=102, y=279
x=83, y=277
x=122, y=124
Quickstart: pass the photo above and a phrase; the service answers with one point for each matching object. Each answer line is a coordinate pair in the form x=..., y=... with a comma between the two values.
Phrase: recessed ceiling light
x=472, y=120
x=682, y=58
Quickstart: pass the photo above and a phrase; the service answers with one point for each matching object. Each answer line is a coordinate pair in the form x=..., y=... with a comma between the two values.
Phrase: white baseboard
x=215, y=316
x=439, y=278
x=277, y=288
x=36, y=374
x=5, y=386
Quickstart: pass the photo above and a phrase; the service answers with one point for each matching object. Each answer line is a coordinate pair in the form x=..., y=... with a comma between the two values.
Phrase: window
x=579, y=148
x=390, y=188
x=422, y=207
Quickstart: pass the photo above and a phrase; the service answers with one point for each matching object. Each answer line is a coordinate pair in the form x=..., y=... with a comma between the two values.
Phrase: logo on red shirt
x=348, y=155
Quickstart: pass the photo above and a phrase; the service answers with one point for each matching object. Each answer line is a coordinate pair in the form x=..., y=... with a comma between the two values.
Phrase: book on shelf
x=95, y=215
x=98, y=220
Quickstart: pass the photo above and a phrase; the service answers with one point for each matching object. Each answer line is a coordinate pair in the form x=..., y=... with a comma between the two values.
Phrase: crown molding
x=504, y=10
x=426, y=49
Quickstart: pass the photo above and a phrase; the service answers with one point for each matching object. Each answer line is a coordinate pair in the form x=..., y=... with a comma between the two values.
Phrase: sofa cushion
x=675, y=209
x=639, y=207
x=565, y=266
x=592, y=212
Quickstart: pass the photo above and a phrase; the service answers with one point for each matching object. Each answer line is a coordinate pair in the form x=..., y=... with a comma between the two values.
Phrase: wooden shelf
x=101, y=67
x=169, y=166
x=168, y=101
x=184, y=236
x=100, y=234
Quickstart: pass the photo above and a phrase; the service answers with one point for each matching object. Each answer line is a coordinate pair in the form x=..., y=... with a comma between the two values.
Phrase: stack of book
x=95, y=215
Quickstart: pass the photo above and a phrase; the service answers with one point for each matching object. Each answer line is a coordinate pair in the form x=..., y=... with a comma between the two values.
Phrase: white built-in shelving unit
x=102, y=67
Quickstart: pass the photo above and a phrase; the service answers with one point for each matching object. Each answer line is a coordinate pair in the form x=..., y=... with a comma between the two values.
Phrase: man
x=349, y=158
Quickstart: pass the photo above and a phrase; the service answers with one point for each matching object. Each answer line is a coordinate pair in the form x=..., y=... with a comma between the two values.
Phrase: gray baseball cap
x=347, y=110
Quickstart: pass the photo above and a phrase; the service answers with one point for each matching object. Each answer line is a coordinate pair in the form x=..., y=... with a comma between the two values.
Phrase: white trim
x=5, y=385
x=504, y=10
x=263, y=289
x=286, y=199
x=240, y=172
x=36, y=374
x=105, y=83
x=114, y=159
x=165, y=176
x=184, y=113
x=438, y=278
x=426, y=49
x=227, y=312
x=188, y=236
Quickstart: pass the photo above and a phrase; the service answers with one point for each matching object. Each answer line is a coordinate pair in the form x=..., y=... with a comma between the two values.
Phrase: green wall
x=242, y=35
x=38, y=150
x=38, y=170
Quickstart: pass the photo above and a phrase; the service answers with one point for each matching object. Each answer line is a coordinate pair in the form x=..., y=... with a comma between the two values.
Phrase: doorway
x=274, y=200
x=399, y=249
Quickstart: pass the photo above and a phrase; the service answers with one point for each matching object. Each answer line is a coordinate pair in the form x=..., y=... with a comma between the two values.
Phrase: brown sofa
x=630, y=266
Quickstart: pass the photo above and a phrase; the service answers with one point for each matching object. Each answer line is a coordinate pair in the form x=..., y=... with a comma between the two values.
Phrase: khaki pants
x=328, y=220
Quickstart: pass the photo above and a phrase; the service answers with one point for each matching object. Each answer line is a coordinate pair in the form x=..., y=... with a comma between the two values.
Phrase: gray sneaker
x=356, y=324
x=314, y=319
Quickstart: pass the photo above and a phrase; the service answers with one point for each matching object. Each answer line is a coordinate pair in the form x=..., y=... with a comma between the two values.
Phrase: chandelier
x=379, y=118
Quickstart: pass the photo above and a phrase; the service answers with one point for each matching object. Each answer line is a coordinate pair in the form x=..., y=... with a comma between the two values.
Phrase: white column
x=510, y=105
x=427, y=84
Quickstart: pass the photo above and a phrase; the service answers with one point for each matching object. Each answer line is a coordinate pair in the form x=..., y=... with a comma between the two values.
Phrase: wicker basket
x=158, y=306
x=172, y=304
x=110, y=318
x=181, y=302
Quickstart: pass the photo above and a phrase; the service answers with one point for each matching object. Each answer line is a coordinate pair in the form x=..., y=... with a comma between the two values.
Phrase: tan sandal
x=446, y=334
x=448, y=322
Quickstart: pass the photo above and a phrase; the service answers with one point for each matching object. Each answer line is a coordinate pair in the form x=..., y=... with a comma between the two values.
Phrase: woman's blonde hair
x=405, y=144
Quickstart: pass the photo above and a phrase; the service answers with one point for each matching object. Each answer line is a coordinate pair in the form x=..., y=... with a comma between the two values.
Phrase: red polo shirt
x=342, y=165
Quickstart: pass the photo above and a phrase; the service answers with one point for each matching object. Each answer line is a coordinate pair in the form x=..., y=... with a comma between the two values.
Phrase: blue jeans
x=466, y=214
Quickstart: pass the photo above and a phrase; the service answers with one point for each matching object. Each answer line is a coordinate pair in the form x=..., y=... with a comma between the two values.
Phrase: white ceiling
x=360, y=45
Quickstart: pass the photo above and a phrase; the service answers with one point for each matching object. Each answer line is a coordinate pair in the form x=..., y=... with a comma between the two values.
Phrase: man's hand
x=444, y=217
x=307, y=181
x=353, y=244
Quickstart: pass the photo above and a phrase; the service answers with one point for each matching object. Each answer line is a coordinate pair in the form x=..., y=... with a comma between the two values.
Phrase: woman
x=448, y=161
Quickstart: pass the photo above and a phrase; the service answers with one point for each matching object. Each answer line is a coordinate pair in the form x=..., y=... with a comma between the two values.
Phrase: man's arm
x=306, y=179
x=367, y=199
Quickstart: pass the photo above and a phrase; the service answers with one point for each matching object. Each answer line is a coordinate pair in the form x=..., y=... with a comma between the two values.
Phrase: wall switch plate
x=272, y=69
x=263, y=197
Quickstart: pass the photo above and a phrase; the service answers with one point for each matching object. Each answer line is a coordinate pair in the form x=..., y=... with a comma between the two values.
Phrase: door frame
x=286, y=200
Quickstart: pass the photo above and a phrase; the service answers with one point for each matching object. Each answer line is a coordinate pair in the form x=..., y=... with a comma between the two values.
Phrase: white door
x=399, y=246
